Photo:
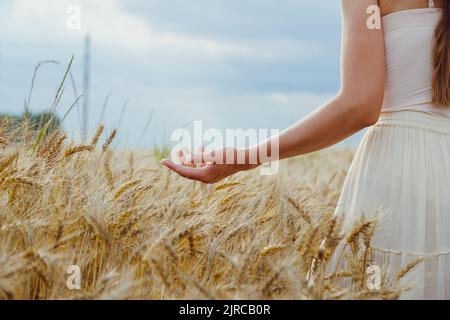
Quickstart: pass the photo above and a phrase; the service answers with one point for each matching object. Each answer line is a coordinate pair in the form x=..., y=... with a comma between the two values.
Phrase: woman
x=395, y=80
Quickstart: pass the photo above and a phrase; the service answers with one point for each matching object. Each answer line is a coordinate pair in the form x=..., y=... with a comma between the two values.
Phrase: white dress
x=402, y=167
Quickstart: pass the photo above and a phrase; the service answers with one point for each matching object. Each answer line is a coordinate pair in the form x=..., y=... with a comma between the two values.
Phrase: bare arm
x=356, y=106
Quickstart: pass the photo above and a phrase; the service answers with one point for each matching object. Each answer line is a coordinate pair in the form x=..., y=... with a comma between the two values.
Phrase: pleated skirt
x=401, y=172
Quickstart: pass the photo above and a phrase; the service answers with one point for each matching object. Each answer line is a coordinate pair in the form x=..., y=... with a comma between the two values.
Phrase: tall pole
x=86, y=86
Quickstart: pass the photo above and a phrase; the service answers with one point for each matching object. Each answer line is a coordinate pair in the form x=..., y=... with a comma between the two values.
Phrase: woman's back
x=401, y=170
x=409, y=41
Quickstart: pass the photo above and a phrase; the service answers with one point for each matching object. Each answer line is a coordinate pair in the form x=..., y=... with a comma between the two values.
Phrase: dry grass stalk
x=126, y=186
x=109, y=140
x=74, y=150
x=408, y=268
x=97, y=135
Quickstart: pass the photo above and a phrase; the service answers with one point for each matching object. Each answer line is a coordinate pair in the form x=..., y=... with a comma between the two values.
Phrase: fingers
x=191, y=173
x=184, y=158
x=205, y=158
x=194, y=159
x=188, y=159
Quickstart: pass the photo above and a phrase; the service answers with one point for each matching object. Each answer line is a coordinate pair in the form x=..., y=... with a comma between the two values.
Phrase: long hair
x=441, y=59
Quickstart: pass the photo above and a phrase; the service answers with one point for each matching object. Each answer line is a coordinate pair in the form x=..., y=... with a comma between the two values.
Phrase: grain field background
x=137, y=231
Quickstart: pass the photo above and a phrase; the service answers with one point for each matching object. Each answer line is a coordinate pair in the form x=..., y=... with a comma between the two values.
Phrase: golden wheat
x=136, y=230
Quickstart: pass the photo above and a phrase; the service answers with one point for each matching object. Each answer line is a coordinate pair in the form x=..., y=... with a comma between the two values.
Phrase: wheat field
x=137, y=231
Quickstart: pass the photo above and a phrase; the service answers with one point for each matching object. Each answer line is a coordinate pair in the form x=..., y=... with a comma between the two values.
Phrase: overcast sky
x=230, y=63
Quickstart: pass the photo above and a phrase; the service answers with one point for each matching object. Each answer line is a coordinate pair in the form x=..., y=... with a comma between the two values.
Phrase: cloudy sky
x=230, y=63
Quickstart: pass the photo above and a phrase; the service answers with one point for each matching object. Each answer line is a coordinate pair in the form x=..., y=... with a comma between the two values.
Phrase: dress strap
x=430, y=4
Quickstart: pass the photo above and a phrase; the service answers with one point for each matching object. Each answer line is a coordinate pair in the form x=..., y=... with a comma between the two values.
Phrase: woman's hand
x=199, y=167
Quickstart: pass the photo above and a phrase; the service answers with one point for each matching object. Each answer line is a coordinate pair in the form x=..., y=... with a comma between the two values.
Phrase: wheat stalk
x=74, y=150
x=97, y=135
